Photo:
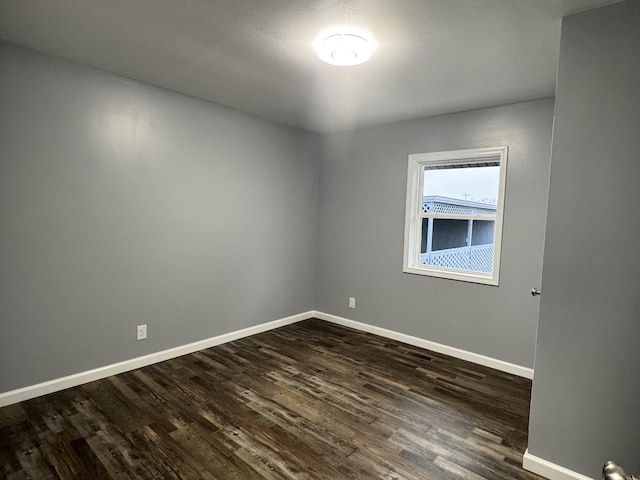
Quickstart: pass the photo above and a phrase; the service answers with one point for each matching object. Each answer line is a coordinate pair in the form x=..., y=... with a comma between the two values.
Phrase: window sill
x=450, y=274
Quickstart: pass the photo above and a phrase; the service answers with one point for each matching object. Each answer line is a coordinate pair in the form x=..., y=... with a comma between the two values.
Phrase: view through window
x=454, y=216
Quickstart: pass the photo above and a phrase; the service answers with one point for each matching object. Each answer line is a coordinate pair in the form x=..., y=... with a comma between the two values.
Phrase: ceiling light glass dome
x=344, y=49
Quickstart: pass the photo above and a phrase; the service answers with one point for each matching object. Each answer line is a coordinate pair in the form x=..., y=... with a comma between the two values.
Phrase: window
x=453, y=223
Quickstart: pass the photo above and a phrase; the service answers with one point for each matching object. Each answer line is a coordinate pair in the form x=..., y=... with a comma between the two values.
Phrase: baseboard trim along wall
x=429, y=345
x=549, y=470
x=44, y=388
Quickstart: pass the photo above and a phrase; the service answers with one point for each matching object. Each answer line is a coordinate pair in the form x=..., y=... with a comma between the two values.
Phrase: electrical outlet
x=141, y=332
x=352, y=302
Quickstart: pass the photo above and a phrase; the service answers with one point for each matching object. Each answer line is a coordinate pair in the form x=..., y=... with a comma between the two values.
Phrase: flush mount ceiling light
x=344, y=49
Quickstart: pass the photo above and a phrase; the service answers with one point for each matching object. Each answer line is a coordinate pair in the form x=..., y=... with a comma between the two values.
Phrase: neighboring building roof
x=438, y=204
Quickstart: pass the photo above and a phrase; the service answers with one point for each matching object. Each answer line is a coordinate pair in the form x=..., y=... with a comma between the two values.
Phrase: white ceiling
x=432, y=56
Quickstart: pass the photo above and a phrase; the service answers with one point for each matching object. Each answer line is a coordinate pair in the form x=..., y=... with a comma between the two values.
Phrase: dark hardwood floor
x=312, y=400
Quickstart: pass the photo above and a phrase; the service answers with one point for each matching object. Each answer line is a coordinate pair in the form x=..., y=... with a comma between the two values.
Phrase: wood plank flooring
x=312, y=400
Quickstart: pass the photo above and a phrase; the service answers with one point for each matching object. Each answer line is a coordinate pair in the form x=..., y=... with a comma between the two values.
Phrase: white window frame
x=414, y=214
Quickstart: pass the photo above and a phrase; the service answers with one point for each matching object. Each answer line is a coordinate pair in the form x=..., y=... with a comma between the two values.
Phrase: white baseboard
x=549, y=470
x=55, y=385
x=429, y=345
x=44, y=388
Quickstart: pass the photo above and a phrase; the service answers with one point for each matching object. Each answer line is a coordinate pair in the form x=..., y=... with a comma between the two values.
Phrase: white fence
x=478, y=258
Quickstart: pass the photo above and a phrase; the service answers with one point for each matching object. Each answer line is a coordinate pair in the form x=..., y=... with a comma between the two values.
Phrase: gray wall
x=123, y=204
x=361, y=228
x=586, y=391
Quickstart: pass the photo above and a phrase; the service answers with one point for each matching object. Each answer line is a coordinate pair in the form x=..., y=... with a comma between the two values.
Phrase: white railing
x=478, y=258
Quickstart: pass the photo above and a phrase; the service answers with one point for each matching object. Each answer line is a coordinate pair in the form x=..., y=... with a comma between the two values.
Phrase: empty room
x=338, y=239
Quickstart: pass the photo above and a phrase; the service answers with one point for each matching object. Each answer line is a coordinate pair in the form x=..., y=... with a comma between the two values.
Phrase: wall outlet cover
x=141, y=332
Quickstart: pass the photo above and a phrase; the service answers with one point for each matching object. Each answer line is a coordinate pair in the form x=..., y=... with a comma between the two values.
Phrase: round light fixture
x=344, y=49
